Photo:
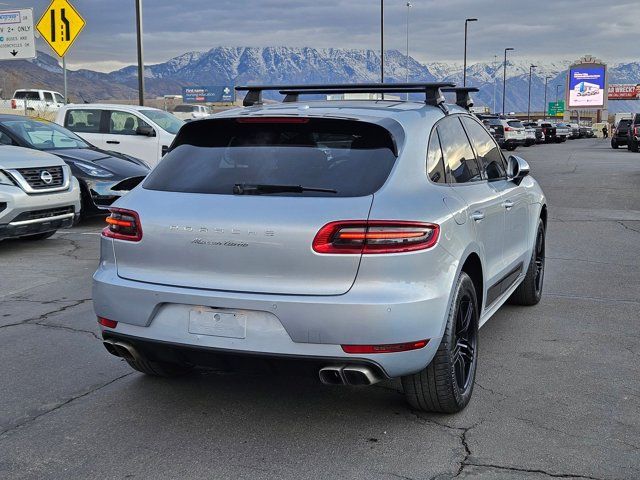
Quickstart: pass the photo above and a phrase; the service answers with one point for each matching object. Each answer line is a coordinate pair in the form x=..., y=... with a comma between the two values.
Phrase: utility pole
x=529, y=101
x=495, y=81
x=464, y=68
x=382, y=41
x=140, y=53
x=504, y=77
x=407, y=58
x=544, y=111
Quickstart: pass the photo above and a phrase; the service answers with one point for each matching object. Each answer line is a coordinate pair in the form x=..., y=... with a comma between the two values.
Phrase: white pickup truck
x=191, y=112
x=39, y=101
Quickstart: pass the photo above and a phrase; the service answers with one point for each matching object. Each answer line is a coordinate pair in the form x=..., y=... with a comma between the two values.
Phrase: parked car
x=633, y=136
x=539, y=135
x=508, y=132
x=530, y=136
x=562, y=132
x=103, y=176
x=253, y=204
x=586, y=132
x=190, y=111
x=38, y=194
x=548, y=130
x=574, y=130
x=620, y=134
x=40, y=101
x=140, y=132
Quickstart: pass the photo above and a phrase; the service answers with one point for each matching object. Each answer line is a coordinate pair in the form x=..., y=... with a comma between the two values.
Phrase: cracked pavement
x=557, y=392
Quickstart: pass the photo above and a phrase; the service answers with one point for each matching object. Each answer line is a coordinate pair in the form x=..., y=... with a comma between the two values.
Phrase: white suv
x=509, y=132
x=38, y=194
x=141, y=132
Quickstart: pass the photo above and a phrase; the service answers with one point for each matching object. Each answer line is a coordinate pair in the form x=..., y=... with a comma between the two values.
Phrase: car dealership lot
x=557, y=391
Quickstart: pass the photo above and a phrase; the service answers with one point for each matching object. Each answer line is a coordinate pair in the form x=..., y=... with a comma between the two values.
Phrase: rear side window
x=212, y=156
x=48, y=97
x=459, y=159
x=435, y=162
x=83, y=121
x=488, y=152
x=184, y=108
x=27, y=96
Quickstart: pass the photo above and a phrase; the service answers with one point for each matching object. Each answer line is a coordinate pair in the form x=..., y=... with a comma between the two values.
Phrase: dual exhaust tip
x=354, y=375
x=121, y=349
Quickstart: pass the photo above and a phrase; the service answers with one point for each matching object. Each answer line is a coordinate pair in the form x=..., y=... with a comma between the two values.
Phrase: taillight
x=508, y=129
x=14, y=104
x=375, y=236
x=105, y=322
x=123, y=225
x=635, y=131
x=390, y=348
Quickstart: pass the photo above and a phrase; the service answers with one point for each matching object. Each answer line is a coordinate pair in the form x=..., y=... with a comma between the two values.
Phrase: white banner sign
x=17, y=40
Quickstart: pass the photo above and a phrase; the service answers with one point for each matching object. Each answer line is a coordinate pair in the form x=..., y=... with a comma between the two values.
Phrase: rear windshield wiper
x=257, y=189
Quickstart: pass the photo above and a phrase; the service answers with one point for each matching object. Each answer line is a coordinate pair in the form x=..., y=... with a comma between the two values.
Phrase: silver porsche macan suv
x=365, y=240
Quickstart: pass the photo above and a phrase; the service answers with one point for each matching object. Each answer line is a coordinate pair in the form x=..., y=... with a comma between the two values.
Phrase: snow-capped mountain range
x=243, y=65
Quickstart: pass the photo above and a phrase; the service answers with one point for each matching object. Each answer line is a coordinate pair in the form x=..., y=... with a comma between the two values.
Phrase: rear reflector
x=391, y=348
x=375, y=237
x=105, y=322
x=123, y=225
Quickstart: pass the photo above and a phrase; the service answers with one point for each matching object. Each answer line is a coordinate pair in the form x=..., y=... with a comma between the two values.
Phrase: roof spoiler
x=432, y=91
x=463, y=97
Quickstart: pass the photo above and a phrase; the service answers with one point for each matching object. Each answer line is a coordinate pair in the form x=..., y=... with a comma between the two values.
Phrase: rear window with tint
x=211, y=156
x=184, y=108
x=515, y=124
x=27, y=95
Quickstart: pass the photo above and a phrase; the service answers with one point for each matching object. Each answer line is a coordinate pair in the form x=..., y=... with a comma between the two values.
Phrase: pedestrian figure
x=605, y=132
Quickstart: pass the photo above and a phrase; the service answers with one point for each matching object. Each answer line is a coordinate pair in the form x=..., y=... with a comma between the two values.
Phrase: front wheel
x=633, y=146
x=614, y=144
x=446, y=384
x=529, y=292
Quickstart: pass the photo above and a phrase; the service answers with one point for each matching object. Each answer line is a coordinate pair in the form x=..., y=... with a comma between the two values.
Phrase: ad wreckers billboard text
x=586, y=86
x=209, y=94
x=624, y=91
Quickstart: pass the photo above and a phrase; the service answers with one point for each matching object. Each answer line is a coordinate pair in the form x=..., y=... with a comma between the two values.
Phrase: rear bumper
x=304, y=326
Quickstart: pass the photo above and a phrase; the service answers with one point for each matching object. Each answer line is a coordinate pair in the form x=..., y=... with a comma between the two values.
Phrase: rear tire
x=446, y=384
x=159, y=369
x=614, y=144
x=529, y=292
x=39, y=236
x=633, y=146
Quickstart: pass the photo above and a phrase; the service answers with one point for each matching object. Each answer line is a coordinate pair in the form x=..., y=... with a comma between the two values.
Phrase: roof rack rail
x=463, y=97
x=432, y=90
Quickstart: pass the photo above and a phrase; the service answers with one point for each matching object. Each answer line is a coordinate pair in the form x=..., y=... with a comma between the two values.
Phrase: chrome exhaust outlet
x=359, y=375
x=332, y=375
x=121, y=349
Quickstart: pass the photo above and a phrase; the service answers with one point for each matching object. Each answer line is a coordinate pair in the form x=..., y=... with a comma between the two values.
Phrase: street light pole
x=464, y=73
x=495, y=82
x=382, y=41
x=529, y=100
x=140, y=54
x=504, y=77
x=407, y=58
x=544, y=111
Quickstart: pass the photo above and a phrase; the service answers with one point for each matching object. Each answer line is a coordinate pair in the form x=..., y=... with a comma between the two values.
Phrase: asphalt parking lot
x=557, y=393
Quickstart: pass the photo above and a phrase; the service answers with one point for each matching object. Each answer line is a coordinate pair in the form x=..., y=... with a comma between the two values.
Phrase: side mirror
x=146, y=130
x=517, y=169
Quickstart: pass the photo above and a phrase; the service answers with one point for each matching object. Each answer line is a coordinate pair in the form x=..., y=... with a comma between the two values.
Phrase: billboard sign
x=624, y=91
x=587, y=86
x=209, y=94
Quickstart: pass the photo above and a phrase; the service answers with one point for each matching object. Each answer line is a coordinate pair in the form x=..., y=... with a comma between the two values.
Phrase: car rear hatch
x=225, y=210
x=515, y=130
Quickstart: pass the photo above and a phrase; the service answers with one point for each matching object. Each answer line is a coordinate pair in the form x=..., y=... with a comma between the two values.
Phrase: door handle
x=508, y=204
x=113, y=142
x=477, y=216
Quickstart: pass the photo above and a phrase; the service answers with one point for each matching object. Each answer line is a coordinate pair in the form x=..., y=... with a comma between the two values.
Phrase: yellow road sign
x=60, y=25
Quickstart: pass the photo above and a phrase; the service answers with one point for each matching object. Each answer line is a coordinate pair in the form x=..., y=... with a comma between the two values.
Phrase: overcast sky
x=539, y=29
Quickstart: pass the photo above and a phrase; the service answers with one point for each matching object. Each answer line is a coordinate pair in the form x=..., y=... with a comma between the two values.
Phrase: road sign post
x=59, y=26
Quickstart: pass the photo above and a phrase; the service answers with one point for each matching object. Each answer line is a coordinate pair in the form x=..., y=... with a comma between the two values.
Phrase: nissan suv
x=38, y=194
x=365, y=240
